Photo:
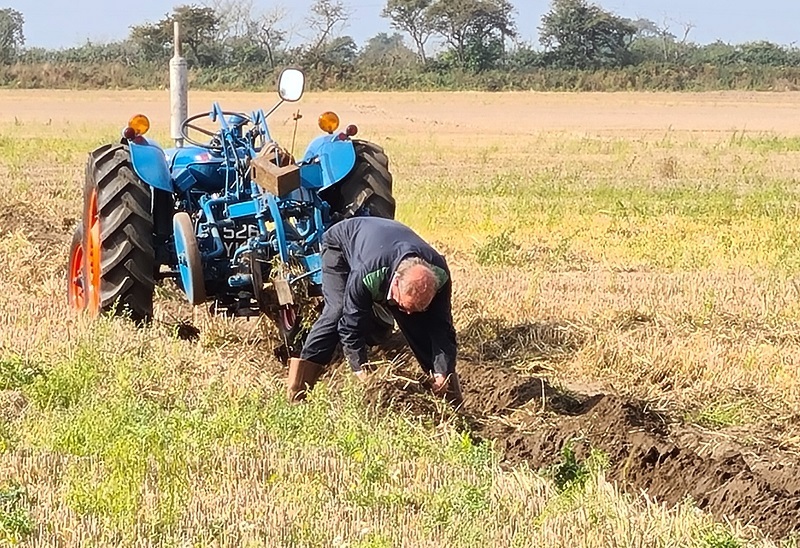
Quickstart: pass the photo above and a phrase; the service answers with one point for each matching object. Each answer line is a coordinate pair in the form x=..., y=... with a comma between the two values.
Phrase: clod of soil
x=20, y=216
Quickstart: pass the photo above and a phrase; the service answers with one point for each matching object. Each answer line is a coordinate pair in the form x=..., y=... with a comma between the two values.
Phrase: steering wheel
x=214, y=144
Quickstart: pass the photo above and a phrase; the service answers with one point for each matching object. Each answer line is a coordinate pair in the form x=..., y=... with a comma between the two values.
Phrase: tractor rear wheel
x=367, y=190
x=118, y=251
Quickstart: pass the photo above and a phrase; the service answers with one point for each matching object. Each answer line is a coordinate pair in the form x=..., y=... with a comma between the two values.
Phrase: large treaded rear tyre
x=370, y=183
x=118, y=236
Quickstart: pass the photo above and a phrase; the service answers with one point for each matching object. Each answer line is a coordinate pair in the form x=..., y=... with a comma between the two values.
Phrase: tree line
x=435, y=44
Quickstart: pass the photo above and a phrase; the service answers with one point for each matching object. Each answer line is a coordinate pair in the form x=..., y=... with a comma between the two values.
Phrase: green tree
x=765, y=53
x=657, y=43
x=341, y=51
x=199, y=32
x=386, y=50
x=412, y=17
x=152, y=41
x=250, y=36
x=474, y=29
x=199, y=27
x=330, y=55
x=523, y=57
x=717, y=53
x=578, y=34
x=11, y=36
x=325, y=18
x=265, y=31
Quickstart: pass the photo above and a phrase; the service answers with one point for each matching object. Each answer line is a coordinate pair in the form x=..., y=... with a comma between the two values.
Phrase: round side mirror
x=291, y=84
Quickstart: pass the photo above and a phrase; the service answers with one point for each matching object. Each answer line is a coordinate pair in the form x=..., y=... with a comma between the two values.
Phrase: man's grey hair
x=424, y=288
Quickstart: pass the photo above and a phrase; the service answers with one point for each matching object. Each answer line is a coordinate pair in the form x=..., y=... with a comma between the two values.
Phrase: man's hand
x=362, y=375
x=439, y=385
x=449, y=388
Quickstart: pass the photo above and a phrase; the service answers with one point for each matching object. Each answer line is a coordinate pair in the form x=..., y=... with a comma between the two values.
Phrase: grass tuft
x=16, y=524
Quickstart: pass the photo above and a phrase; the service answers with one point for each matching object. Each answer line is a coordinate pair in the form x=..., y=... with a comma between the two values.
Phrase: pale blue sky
x=58, y=24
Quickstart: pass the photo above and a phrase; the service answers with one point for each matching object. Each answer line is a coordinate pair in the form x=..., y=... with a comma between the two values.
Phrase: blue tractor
x=232, y=217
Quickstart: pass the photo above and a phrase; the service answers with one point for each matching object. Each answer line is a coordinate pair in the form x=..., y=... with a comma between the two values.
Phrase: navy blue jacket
x=373, y=248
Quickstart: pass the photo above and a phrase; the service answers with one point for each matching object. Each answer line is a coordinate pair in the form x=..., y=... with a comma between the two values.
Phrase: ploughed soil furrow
x=647, y=452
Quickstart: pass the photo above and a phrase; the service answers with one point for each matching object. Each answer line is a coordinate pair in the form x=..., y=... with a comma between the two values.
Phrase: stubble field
x=626, y=293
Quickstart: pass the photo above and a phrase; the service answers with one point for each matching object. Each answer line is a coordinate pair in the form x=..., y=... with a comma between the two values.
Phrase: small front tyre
x=190, y=262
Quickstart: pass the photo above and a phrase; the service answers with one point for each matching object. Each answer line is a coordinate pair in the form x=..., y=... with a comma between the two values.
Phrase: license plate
x=234, y=237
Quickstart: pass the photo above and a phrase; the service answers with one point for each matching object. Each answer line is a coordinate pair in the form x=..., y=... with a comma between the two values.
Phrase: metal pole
x=178, y=89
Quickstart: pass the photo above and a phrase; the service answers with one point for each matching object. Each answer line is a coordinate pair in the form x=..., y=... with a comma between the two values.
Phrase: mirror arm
x=273, y=109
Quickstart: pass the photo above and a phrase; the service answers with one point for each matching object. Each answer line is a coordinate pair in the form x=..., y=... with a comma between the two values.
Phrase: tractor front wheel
x=190, y=262
x=119, y=259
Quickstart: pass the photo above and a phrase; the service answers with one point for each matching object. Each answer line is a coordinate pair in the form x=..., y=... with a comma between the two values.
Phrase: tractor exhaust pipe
x=178, y=89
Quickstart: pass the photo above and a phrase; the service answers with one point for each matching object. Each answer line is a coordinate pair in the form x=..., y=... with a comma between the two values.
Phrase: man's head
x=413, y=286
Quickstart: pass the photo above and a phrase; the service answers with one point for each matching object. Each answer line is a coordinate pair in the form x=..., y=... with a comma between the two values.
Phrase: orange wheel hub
x=92, y=254
x=77, y=295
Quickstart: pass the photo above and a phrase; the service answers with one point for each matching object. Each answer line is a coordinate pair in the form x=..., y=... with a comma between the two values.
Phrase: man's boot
x=453, y=393
x=303, y=375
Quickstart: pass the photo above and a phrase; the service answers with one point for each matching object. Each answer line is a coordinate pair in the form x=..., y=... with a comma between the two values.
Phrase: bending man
x=368, y=261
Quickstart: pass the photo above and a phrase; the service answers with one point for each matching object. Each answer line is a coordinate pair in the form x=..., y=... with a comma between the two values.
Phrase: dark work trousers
x=323, y=338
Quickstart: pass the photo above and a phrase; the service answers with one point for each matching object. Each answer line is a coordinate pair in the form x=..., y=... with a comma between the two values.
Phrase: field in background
x=640, y=247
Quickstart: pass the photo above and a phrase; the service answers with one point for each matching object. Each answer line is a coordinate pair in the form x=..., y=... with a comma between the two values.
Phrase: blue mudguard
x=150, y=164
x=336, y=158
